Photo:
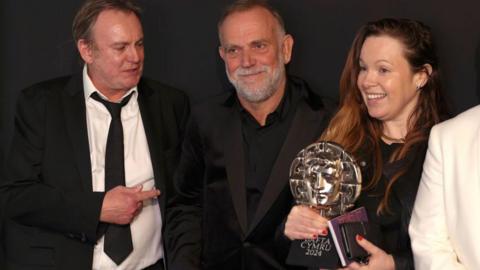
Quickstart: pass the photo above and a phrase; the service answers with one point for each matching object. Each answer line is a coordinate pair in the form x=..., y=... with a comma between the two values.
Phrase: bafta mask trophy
x=327, y=178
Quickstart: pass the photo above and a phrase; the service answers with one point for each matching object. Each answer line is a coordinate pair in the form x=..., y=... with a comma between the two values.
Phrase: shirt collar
x=289, y=97
x=89, y=88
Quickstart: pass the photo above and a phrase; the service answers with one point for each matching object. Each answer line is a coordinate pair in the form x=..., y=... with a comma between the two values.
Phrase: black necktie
x=118, y=239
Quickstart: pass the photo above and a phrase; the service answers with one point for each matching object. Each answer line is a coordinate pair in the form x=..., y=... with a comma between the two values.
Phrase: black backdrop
x=181, y=44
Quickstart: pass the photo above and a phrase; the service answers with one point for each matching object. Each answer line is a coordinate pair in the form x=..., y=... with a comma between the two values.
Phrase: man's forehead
x=117, y=26
x=253, y=24
x=111, y=17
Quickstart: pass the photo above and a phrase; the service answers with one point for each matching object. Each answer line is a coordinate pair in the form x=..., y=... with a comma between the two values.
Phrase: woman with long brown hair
x=390, y=97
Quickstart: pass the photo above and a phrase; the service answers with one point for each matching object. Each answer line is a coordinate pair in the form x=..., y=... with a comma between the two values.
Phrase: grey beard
x=268, y=87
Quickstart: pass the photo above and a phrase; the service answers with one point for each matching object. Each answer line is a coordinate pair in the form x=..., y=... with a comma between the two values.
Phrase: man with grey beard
x=232, y=192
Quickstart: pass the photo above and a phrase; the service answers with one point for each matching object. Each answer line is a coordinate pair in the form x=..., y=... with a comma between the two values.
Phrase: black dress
x=394, y=225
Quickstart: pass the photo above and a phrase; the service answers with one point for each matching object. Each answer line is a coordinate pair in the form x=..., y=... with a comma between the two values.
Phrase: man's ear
x=86, y=51
x=287, y=45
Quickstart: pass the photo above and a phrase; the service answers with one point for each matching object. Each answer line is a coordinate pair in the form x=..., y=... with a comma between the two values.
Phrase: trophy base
x=319, y=252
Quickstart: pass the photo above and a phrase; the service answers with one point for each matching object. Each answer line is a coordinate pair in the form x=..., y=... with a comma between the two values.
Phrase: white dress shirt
x=146, y=227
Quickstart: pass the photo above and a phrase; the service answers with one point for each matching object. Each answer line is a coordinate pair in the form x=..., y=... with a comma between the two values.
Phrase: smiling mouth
x=252, y=71
x=250, y=74
x=250, y=78
x=132, y=70
x=375, y=96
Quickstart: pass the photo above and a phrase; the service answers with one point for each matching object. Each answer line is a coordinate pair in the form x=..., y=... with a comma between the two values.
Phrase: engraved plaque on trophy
x=326, y=178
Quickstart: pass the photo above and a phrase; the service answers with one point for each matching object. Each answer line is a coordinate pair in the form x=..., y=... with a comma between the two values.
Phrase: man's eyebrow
x=259, y=41
x=119, y=43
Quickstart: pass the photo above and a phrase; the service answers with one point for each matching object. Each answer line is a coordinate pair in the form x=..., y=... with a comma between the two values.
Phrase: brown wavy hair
x=352, y=126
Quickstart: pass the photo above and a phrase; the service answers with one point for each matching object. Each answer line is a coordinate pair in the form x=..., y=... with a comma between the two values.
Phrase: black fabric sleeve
x=183, y=235
x=28, y=199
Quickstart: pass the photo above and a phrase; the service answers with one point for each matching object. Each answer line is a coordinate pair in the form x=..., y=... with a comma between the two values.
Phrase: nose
x=319, y=183
x=248, y=59
x=366, y=79
x=135, y=54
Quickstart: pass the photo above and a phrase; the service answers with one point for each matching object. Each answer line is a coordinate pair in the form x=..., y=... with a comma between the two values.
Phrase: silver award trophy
x=326, y=178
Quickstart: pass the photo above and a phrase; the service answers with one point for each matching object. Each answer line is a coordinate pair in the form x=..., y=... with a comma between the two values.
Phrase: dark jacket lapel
x=73, y=101
x=235, y=165
x=305, y=128
x=153, y=134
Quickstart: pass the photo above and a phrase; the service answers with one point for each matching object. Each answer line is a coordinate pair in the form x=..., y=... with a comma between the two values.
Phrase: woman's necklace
x=394, y=140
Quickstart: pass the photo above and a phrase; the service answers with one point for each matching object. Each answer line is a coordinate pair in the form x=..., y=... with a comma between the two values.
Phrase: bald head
x=244, y=6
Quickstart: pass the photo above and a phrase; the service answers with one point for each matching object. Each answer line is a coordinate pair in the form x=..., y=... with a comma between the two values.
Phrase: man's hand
x=122, y=204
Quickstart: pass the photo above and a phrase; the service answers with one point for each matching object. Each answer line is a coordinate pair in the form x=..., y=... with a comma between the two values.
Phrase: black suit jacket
x=51, y=212
x=208, y=217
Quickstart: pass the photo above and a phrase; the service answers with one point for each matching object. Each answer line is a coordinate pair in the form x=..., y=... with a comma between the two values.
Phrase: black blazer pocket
x=42, y=256
x=28, y=246
x=42, y=248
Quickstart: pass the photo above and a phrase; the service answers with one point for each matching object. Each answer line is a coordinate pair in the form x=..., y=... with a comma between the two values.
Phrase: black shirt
x=371, y=198
x=394, y=224
x=262, y=145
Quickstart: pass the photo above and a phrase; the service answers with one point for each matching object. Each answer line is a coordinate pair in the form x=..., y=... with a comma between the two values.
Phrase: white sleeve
x=431, y=245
